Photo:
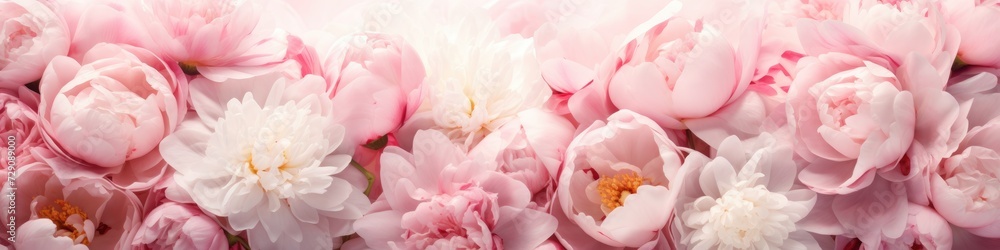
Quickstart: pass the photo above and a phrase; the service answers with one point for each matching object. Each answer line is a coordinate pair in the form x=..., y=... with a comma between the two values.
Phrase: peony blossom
x=666, y=69
x=180, y=226
x=216, y=39
x=33, y=35
x=744, y=198
x=577, y=49
x=117, y=20
x=264, y=153
x=379, y=76
x=885, y=32
x=477, y=80
x=18, y=119
x=846, y=110
x=975, y=21
x=925, y=229
x=439, y=198
x=619, y=182
x=529, y=149
x=694, y=70
x=965, y=188
x=71, y=214
x=106, y=114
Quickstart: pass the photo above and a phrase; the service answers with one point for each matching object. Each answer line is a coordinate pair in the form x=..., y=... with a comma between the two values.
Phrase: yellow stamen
x=61, y=214
x=615, y=189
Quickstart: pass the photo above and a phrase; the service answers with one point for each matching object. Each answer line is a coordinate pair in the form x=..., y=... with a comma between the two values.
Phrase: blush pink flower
x=439, y=198
x=855, y=118
x=71, y=214
x=744, y=198
x=965, y=188
x=32, y=35
x=885, y=32
x=529, y=149
x=18, y=119
x=619, y=182
x=179, y=226
x=925, y=229
x=216, y=39
x=376, y=79
x=672, y=72
x=577, y=48
x=975, y=20
x=107, y=113
x=116, y=19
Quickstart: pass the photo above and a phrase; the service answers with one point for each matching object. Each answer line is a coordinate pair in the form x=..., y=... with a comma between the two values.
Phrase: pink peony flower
x=619, y=182
x=965, y=188
x=855, y=117
x=179, y=226
x=264, y=153
x=18, y=119
x=378, y=76
x=576, y=49
x=925, y=229
x=672, y=72
x=33, y=35
x=885, y=32
x=117, y=21
x=439, y=198
x=216, y=39
x=71, y=214
x=529, y=149
x=107, y=113
x=745, y=197
x=975, y=20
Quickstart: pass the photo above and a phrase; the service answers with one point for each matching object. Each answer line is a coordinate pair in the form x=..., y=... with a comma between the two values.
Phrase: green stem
x=368, y=175
x=234, y=239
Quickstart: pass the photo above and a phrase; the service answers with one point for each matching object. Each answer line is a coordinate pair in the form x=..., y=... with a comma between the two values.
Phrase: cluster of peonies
x=517, y=124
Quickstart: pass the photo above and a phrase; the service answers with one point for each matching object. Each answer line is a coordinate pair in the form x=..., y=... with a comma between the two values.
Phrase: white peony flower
x=478, y=79
x=745, y=198
x=266, y=158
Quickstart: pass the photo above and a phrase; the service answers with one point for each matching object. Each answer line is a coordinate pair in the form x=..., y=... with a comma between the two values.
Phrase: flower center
x=840, y=103
x=270, y=146
x=745, y=216
x=615, y=189
x=69, y=220
x=20, y=35
x=681, y=50
x=458, y=219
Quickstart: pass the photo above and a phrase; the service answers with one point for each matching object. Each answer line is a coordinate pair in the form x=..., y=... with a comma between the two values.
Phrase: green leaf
x=378, y=144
